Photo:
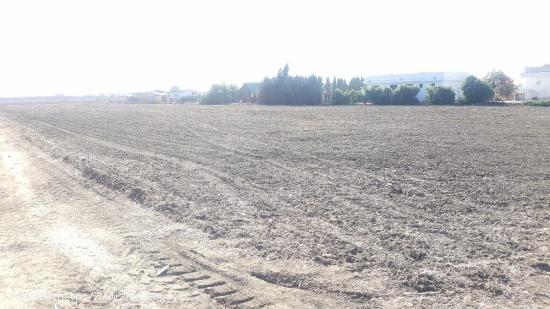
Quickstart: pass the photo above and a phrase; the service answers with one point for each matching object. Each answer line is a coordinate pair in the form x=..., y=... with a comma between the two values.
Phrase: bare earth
x=278, y=207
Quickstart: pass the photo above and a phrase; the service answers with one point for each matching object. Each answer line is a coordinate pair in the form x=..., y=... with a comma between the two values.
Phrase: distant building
x=155, y=96
x=249, y=92
x=423, y=81
x=176, y=95
x=536, y=82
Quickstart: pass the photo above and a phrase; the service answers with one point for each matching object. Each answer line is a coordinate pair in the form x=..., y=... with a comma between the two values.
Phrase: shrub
x=190, y=99
x=502, y=84
x=340, y=97
x=476, y=91
x=379, y=96
x=537, y=103
x=356, y=96
x=405, y=95
x=440, y=95
x=221, y=94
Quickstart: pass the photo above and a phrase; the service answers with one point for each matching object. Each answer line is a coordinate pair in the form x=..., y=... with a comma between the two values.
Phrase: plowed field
x=351, y=206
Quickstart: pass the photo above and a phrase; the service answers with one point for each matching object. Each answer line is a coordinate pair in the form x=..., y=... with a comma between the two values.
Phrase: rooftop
x=254, y=87
x=417, y=77
x=542, y=69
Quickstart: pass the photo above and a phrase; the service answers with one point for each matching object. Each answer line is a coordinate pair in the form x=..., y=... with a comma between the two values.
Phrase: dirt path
x=65, y=243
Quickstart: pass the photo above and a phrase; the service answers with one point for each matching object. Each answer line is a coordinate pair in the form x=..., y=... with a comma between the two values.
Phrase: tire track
x=235, y=191
x=98, y=268
x=131, y=246
x=230, y=187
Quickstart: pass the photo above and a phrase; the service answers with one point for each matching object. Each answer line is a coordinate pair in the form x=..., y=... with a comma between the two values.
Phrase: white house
x=420, y=80
x=155, y=96
x=176, y=95
x=536, y=82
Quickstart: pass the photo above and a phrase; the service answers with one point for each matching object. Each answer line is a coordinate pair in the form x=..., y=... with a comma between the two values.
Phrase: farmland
x=357, y=206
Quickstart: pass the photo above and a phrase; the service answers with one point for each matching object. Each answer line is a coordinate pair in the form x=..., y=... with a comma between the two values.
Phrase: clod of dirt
x=137, y=195
x=485, y=275
x=322, y=260
x=358, y=295
x=286, y=280
x=423, y=283
x=394, y=189
x=542, y=266
x=417, y=255
x=490, y=279
x=101, y=178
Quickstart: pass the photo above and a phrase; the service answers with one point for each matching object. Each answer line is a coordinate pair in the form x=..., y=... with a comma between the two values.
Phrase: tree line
x=284, y=89
x=291, y=90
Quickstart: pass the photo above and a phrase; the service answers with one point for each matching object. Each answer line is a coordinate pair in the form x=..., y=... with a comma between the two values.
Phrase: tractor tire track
x=110, y=248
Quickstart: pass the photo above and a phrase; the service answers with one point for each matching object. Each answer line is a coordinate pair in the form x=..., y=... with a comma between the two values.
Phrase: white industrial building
x=423, y=81
x=536, y=82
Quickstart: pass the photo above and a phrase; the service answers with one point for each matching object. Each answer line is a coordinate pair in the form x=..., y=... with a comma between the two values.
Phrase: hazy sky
x=89, y=47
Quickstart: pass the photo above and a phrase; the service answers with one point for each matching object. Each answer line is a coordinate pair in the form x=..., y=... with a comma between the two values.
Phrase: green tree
x=476, y=91
x=502, y=84
x=340, y=97
x=377, y=95
x=440, y=95
x=221, y=94
x=283, y=73
x=405, y=95
x=356, y=83
x=356, y=96
x=341, y=84
x=291, y=90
